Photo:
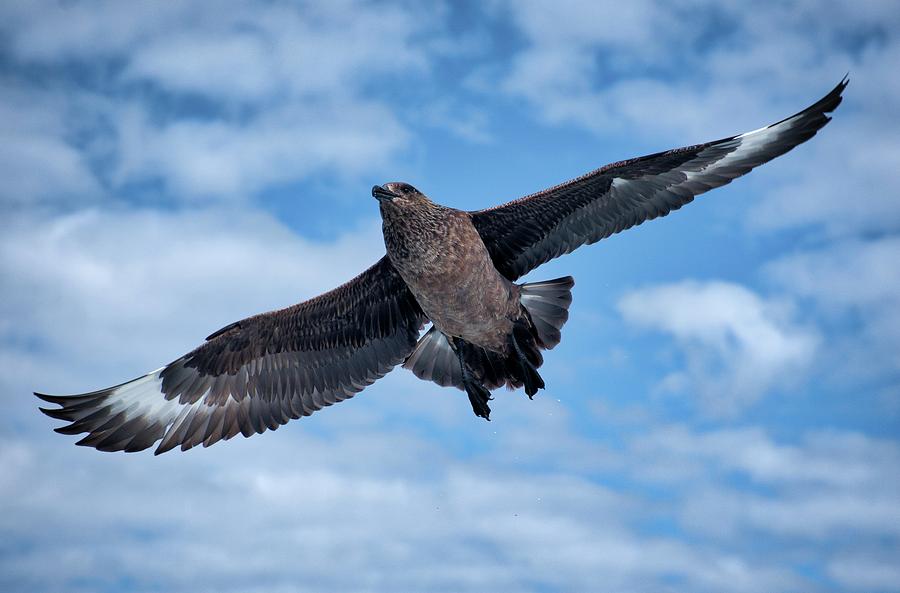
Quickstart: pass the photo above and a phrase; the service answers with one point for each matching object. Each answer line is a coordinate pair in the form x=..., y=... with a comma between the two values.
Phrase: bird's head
x=399, y=195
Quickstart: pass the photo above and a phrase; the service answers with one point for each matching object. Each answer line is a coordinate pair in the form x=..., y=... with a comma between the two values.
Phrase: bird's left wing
x=525, y=233
x=258, y=373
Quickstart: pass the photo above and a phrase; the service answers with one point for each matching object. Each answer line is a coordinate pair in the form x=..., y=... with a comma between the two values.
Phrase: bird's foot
x=479, y=397
x=478, y=394
x=530, y=377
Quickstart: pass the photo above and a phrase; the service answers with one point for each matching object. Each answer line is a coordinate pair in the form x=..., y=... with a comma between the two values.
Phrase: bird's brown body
x=454, y=269
x=477, y=313
x=442, y=258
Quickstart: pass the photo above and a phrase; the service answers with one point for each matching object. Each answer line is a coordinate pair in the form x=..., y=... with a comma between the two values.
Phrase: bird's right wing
x=525, y=233
x=257, y=373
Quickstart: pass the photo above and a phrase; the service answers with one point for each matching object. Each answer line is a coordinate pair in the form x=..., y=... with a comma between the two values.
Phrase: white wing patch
x=134, y=415
x=143, y=397
x=708, y=170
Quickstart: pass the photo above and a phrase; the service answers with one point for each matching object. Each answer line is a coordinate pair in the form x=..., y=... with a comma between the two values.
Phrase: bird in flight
x=452, y=268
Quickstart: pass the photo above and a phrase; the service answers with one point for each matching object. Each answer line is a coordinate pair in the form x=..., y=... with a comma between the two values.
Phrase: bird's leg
x=478, y=394
x=530, y=376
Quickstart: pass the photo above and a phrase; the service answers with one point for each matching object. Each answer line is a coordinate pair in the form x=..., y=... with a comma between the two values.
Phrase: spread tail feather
x=548, y=305
x=433, y=359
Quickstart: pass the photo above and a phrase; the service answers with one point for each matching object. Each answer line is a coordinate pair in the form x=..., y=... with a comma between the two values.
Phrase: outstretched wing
x=530, y=231
x=257, y=373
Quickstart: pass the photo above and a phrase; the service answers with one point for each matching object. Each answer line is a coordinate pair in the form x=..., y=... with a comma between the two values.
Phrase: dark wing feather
x=258, y=373
x=530, y=231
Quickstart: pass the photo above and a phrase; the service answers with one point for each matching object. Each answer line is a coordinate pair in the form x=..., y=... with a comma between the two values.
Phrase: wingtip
x=830, y=102
x=843, y=83
x=826, y=104
x=165, y=446
x=53, y=399
x=55, y=413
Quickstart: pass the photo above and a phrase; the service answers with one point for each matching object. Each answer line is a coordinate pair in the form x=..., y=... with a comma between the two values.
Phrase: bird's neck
x=409, y=232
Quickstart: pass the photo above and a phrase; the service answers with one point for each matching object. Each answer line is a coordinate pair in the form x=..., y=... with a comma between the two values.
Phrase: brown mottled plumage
x=453, y=268
x=441, y=257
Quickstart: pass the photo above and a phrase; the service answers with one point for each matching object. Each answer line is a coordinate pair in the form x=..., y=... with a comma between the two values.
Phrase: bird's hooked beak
x=383, y=195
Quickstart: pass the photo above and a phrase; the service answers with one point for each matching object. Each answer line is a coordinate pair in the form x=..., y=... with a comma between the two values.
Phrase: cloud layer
x=736, y=346
x=210, y=105
x=722, y=411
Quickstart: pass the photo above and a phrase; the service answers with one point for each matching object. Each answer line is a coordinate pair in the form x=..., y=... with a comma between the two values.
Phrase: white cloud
x=592, y=64
x=47, y=31
x=580, y=23
x=860, y=274
x=284, y=512
x=854, y=285
x=124, y=288
x=469, y=124
x=862, y=573
x=821, y=460
x=211, y=104
x=36, y=160
x=329, y=34
x=220, y=66
x=736, y=345
x=596, y=64
x=254, y=51
x=398, y=511
x=831, y=488
x=202, y=158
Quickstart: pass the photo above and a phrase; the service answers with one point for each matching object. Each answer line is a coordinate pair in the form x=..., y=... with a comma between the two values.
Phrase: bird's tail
x=547, y=304
x=547, y=307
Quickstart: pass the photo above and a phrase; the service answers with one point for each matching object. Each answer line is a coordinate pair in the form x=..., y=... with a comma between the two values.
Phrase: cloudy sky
x=723, y=411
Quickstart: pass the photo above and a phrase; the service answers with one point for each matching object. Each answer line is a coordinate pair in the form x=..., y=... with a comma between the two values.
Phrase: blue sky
x=723, y=411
